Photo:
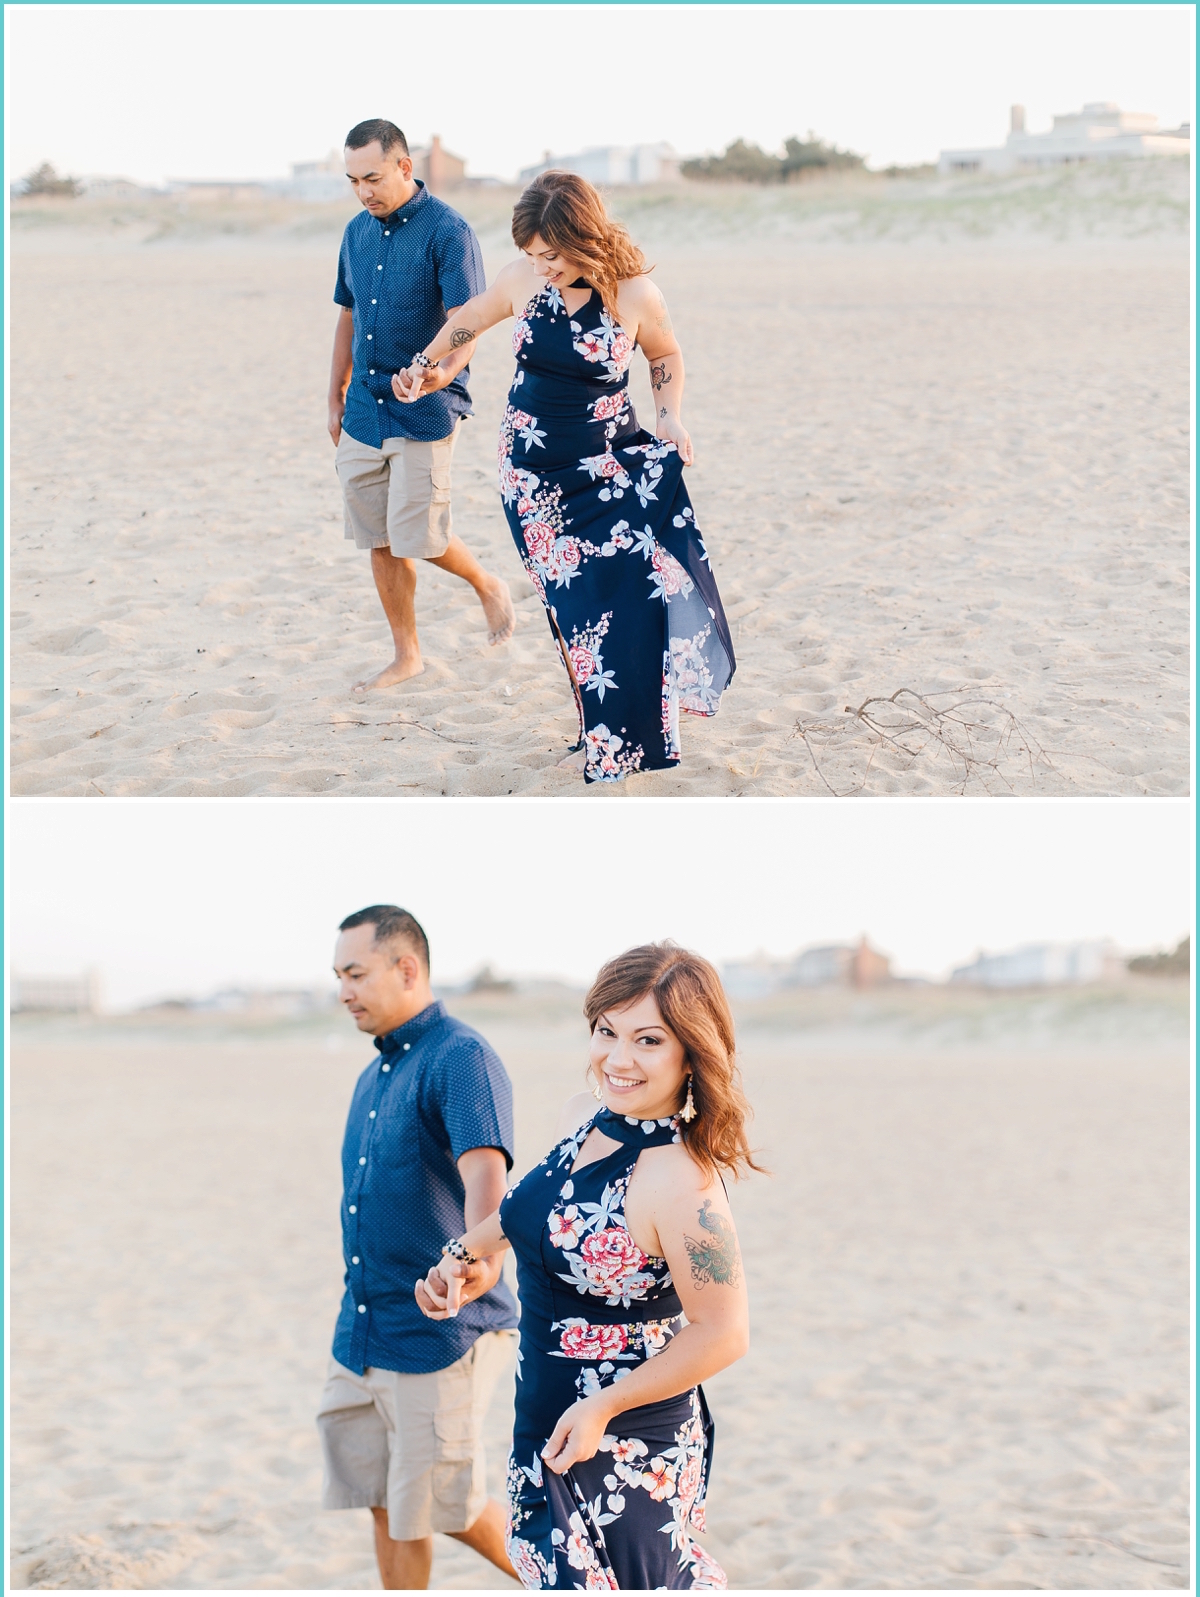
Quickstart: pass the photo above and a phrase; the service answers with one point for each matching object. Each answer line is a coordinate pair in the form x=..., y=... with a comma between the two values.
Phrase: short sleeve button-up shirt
x=435, y=1091
x=399, y=275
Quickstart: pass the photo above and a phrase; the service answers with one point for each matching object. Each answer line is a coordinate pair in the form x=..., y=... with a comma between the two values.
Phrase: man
x=426, y=1153
x=406, y=263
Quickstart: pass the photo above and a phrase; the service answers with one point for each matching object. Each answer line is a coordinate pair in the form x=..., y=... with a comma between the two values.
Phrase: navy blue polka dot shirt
x=399, y=275
x=435, y=1091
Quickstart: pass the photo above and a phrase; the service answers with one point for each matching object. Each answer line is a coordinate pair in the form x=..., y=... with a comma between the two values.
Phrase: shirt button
x=354, y=1207
x=379, y=268
x=379, y=401
x=362, y=1161
x=362, y=1308
x=374, y=302
x=371, y=1116
x=354, y=1260
x=370, y=336
x=372, y=371
x=407, y=1046
x=387, y=1067
x=386, y=234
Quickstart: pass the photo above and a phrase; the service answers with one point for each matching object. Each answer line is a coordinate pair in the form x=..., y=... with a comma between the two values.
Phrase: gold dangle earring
x=689, y=1110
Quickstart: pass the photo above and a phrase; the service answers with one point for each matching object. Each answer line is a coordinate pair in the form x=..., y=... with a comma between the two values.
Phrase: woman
x=622, y=1230
x=597, y=506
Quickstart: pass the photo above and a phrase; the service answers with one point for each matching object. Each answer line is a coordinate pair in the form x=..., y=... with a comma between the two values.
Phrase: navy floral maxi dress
x=605, y=530
x=593, y=1307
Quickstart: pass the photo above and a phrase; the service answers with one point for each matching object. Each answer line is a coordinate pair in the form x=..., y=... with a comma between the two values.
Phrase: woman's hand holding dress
x=578, y=1434
x=672, y=431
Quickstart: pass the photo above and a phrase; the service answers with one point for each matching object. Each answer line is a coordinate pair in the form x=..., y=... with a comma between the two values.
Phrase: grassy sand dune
x=968, y=1274
x=1113, y=200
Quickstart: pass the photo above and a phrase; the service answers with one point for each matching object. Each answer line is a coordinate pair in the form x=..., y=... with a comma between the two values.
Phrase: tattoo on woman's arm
x=460, y=336
x=715, y=1257
x=659, y=375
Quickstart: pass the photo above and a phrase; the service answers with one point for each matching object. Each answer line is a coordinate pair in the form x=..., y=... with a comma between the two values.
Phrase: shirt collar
x=407, y=209
x=412, y=1030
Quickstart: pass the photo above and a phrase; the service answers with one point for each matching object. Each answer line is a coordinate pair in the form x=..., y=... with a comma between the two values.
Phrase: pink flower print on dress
x=624, y=1452
x=659, y=1480
x=539, y=540
x=622, y=349
x=579, y=1340
x=590, y=347
x=609, y=1257
x=568, y=552
x=522, y=334
x=654, y=1336
x=671, y=577
x=707, y=1574
x=691, y=1476
x=583, y=663
x=527, y=1564
x=609, y=405
x=565, y=1227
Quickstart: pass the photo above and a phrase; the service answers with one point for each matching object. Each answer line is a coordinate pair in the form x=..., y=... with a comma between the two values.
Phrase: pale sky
x=242, y=91
x=178, y=896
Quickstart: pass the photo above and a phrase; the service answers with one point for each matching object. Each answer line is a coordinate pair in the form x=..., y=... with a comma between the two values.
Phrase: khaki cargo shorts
x=412, y=1443
x=398, y=497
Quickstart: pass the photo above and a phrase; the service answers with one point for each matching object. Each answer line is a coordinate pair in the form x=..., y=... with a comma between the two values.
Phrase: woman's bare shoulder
x=641, y=293
x=672, y=1170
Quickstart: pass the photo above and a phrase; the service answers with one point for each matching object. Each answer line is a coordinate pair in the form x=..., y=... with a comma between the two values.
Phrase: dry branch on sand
x=978, y=737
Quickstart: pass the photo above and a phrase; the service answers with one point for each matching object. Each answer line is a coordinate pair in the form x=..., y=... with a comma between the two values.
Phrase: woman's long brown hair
x=568, y=214
x=693, y=1005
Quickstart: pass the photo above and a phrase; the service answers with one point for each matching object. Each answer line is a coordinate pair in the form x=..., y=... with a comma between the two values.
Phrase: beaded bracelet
x=455, y=1250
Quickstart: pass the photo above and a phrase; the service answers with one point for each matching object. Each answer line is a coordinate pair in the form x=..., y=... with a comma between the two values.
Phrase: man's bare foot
x=398, y=671
x=573, y=762
x=498, y=608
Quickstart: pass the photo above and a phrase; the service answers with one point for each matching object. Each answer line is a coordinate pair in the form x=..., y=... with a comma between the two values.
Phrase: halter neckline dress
x=607, y=535
x=594, y=1307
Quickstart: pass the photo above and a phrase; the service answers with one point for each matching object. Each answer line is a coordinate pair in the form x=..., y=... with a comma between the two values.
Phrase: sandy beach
x=969, y=1286
x=942, y=451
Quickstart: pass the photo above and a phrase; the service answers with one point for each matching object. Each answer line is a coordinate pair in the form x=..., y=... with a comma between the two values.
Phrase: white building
x=830, y=965
x=1045, y=965
x=611, y=164
x=1100, y=132
x=55, y=995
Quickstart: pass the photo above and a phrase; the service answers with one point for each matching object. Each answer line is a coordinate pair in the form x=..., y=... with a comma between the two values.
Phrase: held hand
x=417, y=381
x=672, y=431
x=407, y=385
x=443, y=1291
x=337, y=409
x=578, y=1434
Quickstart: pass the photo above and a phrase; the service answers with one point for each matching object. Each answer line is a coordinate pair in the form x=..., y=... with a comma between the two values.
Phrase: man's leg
x=396, y=584
x=403, y=1566
x=493, y=591
x=486, y=1536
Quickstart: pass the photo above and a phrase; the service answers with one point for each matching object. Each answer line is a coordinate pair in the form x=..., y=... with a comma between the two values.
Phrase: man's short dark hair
x=386, y=134
x=390, y=921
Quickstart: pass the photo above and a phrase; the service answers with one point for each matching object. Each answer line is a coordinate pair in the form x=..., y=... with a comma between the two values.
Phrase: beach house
x=610, y=164
x=325, y=180
x=1100, y=132
x=829, y=965
x=1044, y=965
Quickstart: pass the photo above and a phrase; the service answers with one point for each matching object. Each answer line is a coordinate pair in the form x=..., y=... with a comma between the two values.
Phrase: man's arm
x=484, y=1173
x=341, y=370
